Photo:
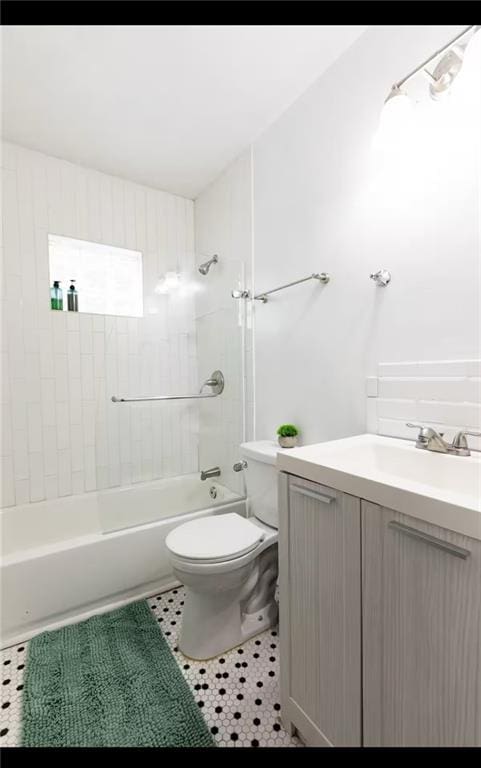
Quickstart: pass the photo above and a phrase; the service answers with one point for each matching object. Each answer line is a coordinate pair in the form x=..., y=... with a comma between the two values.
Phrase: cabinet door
x=320, y=612
x=421, y=632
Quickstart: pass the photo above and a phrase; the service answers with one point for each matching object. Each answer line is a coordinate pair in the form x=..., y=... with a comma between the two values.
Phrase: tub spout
x=206, y=473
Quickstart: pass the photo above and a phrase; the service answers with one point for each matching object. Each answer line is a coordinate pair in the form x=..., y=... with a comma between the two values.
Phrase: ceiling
x=165, y=106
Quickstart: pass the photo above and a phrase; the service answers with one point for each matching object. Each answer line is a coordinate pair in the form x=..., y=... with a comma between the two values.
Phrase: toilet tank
x=261, y=479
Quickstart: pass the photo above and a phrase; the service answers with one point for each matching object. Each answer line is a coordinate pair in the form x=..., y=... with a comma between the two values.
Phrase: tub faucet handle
x=240, y=465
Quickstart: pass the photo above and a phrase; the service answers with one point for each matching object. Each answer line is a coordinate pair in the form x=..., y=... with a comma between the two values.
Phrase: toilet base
x=199, y=641
x=217, y=620
x=254, y=623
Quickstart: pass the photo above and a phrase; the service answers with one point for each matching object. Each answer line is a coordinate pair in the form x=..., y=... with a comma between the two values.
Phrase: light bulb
x=397, y=109
x=395, y=119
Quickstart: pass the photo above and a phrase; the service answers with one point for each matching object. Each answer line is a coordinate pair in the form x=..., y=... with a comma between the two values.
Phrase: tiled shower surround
x=238, y=691
x=61, y=435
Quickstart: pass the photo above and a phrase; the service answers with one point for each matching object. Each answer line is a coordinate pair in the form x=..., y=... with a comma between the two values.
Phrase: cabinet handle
x=451, y=549
x=312, y=494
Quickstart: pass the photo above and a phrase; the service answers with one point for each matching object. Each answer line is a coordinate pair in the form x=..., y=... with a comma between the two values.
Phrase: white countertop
x=442, y=489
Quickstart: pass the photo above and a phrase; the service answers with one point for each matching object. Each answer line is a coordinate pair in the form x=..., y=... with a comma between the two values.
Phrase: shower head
x=204, y=268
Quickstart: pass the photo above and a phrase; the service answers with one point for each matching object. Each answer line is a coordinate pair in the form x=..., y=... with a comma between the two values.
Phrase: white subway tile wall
x=61, y=434
x=445, y=394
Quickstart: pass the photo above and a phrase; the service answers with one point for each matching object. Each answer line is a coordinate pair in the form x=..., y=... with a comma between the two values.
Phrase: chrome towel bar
x=323, y=277
x=215, y=381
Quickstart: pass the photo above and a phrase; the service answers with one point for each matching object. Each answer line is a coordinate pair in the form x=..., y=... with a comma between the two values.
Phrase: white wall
x=223, y=225
x=60, y=432
x=322, y=202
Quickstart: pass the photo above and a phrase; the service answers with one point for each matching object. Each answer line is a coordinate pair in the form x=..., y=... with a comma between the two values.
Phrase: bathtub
x=66, y=559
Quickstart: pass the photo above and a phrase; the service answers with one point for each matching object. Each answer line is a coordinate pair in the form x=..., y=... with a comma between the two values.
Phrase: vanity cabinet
x=421, y=599
x=380, y=623
x=320, y=612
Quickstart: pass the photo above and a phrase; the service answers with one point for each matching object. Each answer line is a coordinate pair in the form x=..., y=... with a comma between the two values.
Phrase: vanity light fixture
x=444, y=73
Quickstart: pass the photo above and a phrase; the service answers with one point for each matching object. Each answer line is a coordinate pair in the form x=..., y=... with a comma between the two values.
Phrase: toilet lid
x=219, y=537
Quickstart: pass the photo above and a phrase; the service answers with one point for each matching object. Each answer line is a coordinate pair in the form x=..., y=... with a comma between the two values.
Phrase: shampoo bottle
x=56, y=295
x=72, y=298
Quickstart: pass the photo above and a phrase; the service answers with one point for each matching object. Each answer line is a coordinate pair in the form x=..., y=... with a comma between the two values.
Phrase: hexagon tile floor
x=238, y=691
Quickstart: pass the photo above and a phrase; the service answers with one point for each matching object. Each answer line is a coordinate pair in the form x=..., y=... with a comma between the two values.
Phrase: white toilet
x=228, y=564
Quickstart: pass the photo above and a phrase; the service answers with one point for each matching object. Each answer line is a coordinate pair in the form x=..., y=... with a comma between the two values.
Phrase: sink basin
x=440, y=488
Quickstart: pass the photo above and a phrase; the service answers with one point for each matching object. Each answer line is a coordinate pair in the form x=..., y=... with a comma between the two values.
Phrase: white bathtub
x=63, y=560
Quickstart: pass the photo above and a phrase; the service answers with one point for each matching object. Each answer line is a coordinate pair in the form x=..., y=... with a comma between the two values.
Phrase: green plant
x=287, y=430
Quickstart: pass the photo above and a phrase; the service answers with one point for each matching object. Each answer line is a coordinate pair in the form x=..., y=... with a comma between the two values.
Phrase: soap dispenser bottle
x=56, y=295
x=72, y=298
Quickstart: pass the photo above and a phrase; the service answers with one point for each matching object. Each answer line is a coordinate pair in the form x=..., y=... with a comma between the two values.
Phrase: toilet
x=228, y=564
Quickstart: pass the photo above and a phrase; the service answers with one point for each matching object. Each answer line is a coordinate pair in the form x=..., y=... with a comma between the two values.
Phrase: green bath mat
x=110, y=681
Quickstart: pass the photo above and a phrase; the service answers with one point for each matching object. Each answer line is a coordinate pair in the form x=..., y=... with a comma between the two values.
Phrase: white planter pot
x=288, y=442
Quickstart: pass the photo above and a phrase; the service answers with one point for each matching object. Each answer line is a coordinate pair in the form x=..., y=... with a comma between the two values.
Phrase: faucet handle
x=424, y=431
x=459, y=440
x=422, y=436
x=240, y=465
x=424, y=427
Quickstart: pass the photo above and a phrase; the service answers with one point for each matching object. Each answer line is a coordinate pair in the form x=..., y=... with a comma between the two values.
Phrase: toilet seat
x=215, y=539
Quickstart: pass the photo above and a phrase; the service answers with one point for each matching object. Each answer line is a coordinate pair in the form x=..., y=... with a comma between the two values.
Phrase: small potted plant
x=287, y=435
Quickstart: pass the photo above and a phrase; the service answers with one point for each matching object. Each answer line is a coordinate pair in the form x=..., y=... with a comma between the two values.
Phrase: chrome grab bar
x=159, y=397
x=215, y=381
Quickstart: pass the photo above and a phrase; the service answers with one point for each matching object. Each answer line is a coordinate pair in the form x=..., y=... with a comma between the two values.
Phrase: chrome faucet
x=206, y=473
x=430, y=440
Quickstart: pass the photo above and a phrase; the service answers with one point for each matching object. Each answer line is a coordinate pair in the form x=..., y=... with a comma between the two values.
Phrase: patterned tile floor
x=238, y=692
x=12, y=664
